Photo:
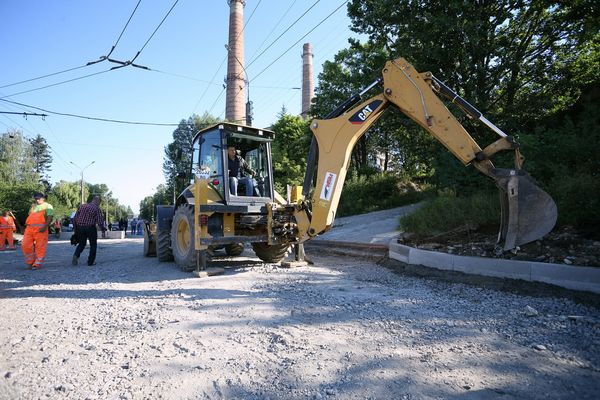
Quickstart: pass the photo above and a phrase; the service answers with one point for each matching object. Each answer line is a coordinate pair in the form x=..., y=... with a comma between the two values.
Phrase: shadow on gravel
x=517, y=286
x=117, y=262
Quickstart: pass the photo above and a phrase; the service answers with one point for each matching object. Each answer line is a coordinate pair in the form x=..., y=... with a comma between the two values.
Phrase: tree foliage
x=41, y=156
x=182, y=144
x=290, y=148
x=149, y=203
x=17, y=165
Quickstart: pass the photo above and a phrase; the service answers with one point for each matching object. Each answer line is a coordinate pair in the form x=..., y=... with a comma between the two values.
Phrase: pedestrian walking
x=140, y=227
x=35, y=238
x=7, y=227
x=57, y=229
x=133, y=226
x=86, y=219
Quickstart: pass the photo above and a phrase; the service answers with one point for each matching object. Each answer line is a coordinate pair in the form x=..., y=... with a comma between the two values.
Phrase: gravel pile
x=132, y=328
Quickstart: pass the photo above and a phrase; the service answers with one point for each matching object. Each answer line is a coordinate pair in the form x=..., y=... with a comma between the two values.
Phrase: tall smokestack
x=235, y=107
x=308, y=89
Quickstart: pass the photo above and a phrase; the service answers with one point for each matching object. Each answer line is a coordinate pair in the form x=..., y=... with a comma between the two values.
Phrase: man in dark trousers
x=87, y=217
x=238, y=169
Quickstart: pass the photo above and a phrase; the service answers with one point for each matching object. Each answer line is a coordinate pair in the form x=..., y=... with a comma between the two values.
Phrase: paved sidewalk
x=375, y=227
x=371, y=236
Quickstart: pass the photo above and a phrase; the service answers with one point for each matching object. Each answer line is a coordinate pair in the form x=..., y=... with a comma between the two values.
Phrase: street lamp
x=82, y=169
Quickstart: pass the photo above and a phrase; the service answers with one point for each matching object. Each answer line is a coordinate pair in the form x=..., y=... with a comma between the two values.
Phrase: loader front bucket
x=527, y=212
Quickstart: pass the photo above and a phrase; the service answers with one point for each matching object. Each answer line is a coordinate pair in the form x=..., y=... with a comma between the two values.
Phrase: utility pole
x=82, y=169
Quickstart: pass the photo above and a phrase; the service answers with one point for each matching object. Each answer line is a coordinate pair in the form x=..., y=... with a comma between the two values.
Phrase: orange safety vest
x=5, y=223
x=36, y=218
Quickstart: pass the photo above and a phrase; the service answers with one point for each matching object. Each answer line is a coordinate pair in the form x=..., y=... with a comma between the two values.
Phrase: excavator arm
x=528, y=213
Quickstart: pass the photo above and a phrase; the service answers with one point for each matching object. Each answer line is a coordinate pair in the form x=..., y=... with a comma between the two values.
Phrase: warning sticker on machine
x=328, y=185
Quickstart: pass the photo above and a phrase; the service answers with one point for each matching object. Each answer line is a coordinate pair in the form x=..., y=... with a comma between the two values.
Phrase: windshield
x=208, y=156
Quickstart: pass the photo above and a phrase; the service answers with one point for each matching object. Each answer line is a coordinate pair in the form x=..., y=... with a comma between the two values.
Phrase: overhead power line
x=90, y=118
x=273, y=29
x=55, y=84
x=24, y=114
x=223, y=62
x=43, y=76
x=283, y=33
x=75, y=68
x=298, y=41
x=151, y=36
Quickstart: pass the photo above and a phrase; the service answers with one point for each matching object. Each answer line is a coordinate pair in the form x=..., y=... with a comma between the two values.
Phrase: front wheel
x=182, y=237
x=271, y=253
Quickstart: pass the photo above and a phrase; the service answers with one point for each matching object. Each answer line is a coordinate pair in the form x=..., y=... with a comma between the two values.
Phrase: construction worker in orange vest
x=7, y=227
x=35, y=238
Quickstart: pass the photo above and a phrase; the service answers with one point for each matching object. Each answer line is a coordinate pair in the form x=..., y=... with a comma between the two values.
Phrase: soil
x=344, y=328
x=561, y=246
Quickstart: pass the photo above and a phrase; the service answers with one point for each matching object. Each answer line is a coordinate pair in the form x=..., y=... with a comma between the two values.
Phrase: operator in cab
x=238, y=168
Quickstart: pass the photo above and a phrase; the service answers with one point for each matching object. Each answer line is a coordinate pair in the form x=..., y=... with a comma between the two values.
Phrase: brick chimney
x=308, y=89
x=235, y=97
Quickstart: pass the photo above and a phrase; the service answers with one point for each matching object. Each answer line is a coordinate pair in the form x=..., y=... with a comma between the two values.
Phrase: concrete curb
x=566, y=276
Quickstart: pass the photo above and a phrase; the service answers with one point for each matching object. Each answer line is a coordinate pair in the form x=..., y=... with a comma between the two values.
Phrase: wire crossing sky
x=114, y=77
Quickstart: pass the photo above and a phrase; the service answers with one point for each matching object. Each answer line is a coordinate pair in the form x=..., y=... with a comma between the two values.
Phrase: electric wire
x=125, y=27
x=278, y=37
x=79, y=67
x=273, y=30
x=151, y=36
x=298, y=41
x=37, y=132
x=55, y=84
x=223, y=62
x=43, y=76
x=117, y=121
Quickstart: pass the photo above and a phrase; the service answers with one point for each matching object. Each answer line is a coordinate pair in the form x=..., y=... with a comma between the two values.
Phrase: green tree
x=41, y=156
x=64, y=197
x=17, y=165
x=18, y=179
x=182, y=144
x=290, y=148
x=394, y=137
x=512, y=59
x=149, y=203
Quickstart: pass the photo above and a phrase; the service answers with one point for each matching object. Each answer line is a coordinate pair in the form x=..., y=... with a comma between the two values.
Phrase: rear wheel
x=182, y=237
x=163, y=246
x=271, y=253
x=234, y=249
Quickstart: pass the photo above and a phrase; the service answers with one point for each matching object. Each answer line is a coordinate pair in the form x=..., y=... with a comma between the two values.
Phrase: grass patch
x=363, y=194
x=447, y=212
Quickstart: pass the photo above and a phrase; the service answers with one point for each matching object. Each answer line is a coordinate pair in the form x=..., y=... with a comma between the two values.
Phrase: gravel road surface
x=133, y=328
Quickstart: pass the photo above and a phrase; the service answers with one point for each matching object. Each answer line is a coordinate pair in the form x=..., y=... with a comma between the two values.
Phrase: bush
x=448, y=212
x=363, y=194
x=578, y=202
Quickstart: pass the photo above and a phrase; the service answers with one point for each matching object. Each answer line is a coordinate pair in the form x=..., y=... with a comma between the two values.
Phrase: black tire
x=163, y=246
x=149, y=244
x=234, y=249
x=271, y=253
x=182, y=238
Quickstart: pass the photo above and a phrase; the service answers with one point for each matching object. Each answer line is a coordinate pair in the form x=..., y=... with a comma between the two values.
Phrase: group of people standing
x=86, y=222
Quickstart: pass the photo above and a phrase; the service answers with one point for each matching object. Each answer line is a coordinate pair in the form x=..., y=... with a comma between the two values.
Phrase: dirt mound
x=562, y=246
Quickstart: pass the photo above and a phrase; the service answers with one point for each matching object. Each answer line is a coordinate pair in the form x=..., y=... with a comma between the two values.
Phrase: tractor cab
x=236, y=160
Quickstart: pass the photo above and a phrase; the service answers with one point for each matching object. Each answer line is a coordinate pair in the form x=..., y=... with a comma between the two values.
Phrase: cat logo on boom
x=362, y=115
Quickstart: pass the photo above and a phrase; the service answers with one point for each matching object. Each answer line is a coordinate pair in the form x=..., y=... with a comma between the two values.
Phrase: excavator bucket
x=528, y=213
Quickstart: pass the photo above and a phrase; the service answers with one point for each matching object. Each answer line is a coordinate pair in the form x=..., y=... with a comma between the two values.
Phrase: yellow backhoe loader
x=208, y=215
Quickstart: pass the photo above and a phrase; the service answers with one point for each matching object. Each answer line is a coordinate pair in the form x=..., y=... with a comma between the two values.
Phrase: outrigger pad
x=528, y=213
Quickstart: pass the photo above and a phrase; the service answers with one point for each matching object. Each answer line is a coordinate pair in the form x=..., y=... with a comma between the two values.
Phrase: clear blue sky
x=42, y=37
